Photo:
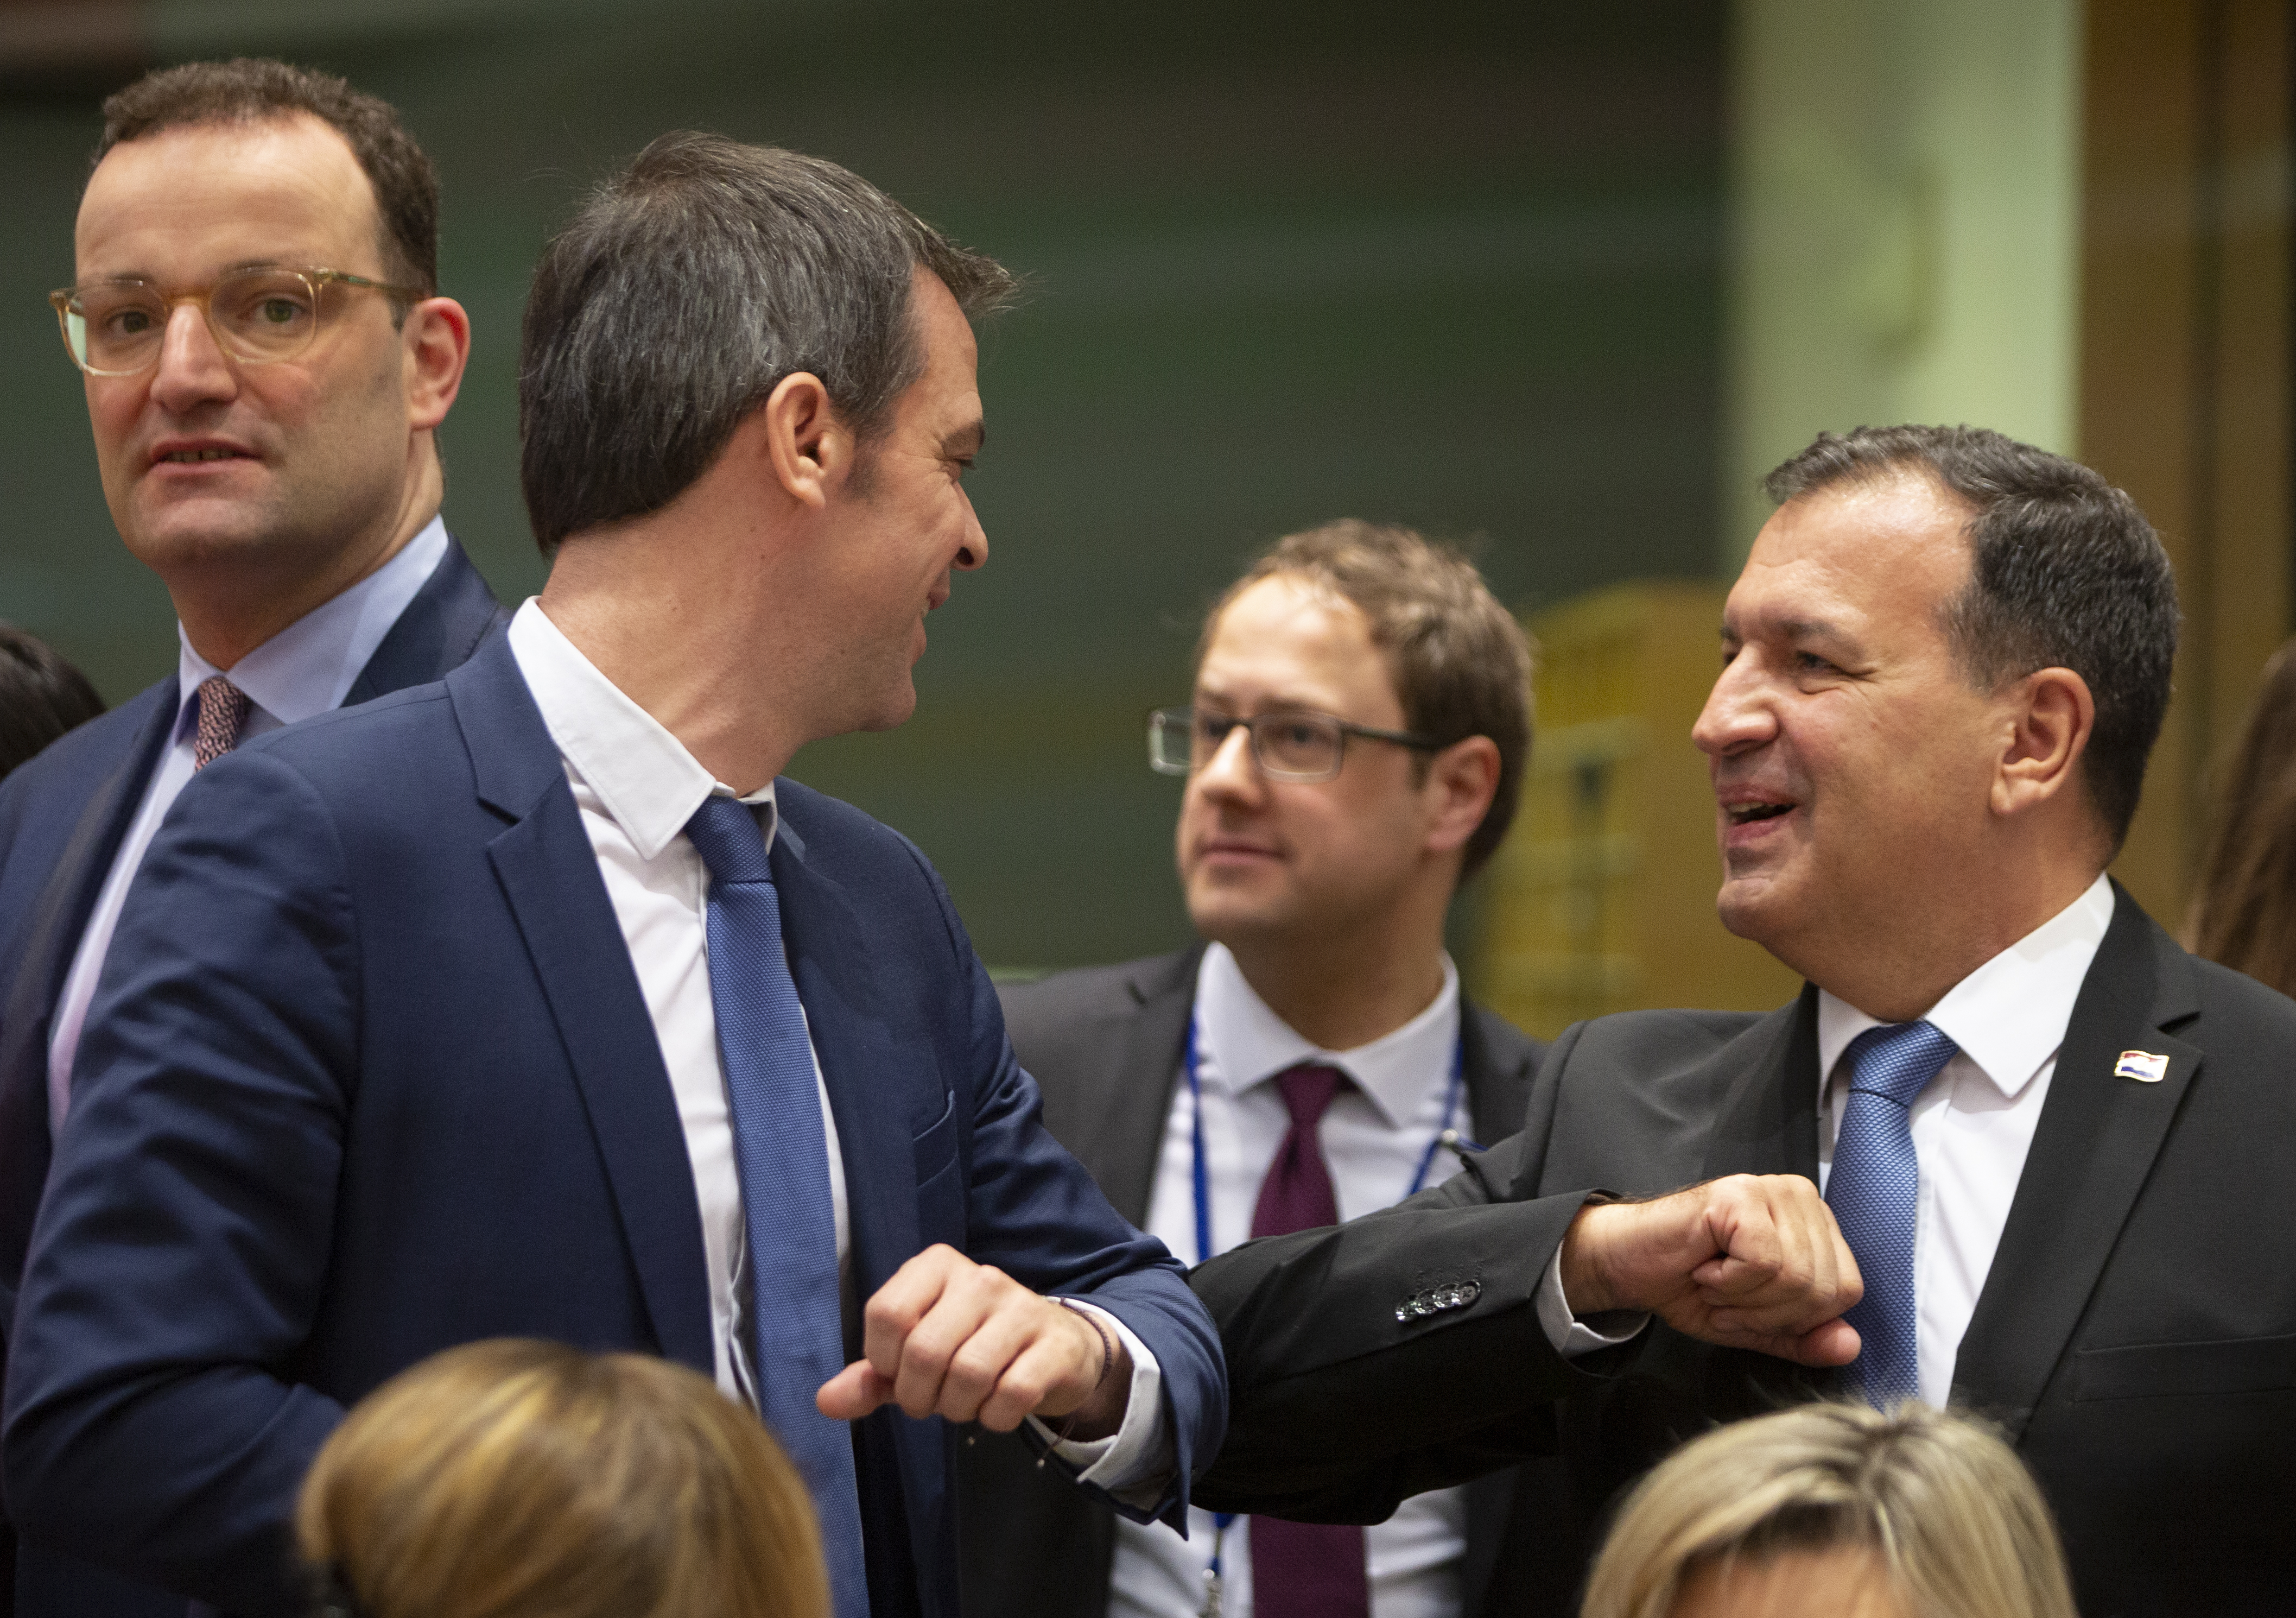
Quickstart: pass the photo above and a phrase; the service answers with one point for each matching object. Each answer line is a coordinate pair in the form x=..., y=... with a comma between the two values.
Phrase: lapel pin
x=2141, y=1065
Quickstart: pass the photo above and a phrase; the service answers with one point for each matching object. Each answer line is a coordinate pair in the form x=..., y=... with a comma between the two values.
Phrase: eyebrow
x=1793, y=628
x=965, y=440
x=240, y=268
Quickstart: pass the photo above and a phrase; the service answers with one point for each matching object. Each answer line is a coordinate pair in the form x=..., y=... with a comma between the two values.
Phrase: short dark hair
x=1460, y=661
x=2065, y=572
x=686, y=289
x=41, y=696
x=252, y=90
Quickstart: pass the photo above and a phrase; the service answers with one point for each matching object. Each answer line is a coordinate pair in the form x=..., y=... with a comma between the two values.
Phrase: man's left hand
x=948, y=1337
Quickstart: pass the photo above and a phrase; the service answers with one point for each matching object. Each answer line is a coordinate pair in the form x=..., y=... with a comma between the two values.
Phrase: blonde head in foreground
x=519, y=1479
x=1839, y=1510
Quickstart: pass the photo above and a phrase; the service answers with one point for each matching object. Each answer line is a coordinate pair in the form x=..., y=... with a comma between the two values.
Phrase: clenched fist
x=1751, y=1261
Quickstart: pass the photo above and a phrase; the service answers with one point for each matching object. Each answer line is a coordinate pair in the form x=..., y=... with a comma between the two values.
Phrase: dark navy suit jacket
x=62, y=815
x=370, y=1074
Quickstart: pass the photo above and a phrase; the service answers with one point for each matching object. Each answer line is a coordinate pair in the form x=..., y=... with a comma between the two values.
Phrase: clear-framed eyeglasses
x=1290, y=746
x=258, y=316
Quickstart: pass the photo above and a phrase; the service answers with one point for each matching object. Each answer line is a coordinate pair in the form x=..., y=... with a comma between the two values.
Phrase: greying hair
x=1954, y=1524
x=2065, y=572
x=685, y=291
x=1460, y=662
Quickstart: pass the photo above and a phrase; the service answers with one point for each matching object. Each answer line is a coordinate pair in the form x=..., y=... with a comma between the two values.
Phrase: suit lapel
x=1496, y=1094
x=52, y=939
x=2092, y=1150
x=549, y=874
x=1768, y=1125
x=860, y=1058
x=1769, y=1122
x=1143, y=1077
x=437, y=632
x=69, y=894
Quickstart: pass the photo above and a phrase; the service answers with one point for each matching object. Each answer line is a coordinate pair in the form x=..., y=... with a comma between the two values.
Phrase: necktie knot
x=1896, y=1060
x=1308, y=1091
x=725, y=832
x=222, y=712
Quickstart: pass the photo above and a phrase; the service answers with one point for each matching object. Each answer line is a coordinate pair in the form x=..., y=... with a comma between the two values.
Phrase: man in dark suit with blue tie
x=535, y=1003
x=266, y=363
x=2054, y=1141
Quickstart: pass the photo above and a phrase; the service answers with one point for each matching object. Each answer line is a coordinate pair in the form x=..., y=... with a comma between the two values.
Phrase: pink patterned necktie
x=223, y=710
x=1304, y=1570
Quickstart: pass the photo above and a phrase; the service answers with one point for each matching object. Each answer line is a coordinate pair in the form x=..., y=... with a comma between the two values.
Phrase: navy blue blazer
x=370, y=1074
x=62, y=815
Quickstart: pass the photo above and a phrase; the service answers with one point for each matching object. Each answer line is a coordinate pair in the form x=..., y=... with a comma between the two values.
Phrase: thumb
x=1835, y=1343
x=853, y=1393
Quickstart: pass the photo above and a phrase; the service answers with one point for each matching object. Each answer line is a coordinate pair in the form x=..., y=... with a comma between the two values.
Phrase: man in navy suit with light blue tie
x=534, y=1003
x=254, y=320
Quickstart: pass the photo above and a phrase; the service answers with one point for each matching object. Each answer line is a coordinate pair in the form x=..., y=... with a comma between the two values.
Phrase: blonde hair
x=1949, y=1512
x=520, y=1479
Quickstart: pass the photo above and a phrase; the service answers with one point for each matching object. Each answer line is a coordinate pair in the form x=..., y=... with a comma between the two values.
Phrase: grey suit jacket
x=1105, y=1044
x=2136, y=1337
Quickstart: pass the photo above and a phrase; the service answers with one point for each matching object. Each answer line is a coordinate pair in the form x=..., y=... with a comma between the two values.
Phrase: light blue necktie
x=1873, y=1189
x=783, y=1154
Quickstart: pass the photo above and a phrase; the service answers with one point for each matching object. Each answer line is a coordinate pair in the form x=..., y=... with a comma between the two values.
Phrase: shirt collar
x=2009, y=1016
x=1246, y=1044
x=643, y=775
x=310, y=666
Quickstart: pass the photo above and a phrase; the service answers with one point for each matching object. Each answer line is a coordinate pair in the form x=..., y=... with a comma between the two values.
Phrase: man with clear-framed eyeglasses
x=1354, y=749
x=265, y=362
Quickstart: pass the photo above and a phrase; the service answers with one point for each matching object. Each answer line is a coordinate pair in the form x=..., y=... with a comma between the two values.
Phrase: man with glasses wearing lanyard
x=267, y=361
x=1354, y=749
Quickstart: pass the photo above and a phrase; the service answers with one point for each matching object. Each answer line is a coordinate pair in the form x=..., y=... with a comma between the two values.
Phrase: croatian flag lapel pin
x=2141, y=1065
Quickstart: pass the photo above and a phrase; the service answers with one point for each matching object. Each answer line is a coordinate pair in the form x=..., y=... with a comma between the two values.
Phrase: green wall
x=1454, y=266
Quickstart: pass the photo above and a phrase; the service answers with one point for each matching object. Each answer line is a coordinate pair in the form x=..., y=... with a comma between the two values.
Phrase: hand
x=1748, y=1261
x=949, y=1337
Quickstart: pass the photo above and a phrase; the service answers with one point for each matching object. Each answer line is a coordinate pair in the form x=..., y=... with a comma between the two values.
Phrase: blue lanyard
x=1445, y=1135
x=1201, y=1176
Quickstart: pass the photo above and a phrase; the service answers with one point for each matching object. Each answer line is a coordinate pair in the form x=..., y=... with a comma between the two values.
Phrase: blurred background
x=1557, y=280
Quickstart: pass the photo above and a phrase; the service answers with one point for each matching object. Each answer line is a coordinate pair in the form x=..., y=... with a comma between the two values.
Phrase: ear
x=2050, y=715
x=1460, y=780
x=436, y=334
x=812, y=451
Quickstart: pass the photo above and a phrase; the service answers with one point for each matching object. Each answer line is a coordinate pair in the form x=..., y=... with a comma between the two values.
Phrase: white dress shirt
x=307, y=668
x=1974, y=1123
x=1373, y=1137
x=637, y=786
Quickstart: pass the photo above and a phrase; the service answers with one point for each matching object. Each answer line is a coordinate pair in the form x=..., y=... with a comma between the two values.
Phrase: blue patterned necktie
x=1874, y=1191
x=783, y=1154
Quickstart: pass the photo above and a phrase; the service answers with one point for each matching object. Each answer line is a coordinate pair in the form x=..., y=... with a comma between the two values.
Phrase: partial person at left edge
x=266, y=363
x=43, y=698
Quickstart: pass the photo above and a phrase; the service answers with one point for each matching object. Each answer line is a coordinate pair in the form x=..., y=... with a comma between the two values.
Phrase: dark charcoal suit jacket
x=1105, y=1046
x=62, y=818
x=2136, y=1337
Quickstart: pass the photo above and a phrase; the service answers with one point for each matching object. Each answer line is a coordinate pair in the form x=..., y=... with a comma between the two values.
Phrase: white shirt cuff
x=1136, y=1462
x=1571, y=1336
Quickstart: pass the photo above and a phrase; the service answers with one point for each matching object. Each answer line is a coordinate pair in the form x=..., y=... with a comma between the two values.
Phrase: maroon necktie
x=223, y=710
x=1304, y=1570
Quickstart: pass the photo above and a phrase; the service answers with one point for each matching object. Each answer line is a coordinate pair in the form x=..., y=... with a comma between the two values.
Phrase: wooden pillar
x=2185, y=376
